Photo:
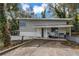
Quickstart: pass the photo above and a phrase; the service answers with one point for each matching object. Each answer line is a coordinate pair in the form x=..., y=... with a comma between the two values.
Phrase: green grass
x=1, y=44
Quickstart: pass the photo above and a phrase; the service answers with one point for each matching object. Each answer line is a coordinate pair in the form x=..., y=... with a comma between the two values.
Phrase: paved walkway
x=43, y=48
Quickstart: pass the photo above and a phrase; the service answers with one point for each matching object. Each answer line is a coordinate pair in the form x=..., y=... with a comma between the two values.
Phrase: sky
x=37, y=8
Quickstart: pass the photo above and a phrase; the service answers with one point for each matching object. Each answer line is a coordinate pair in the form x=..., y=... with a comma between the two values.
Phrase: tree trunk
x=6, y=30
x=6, y=34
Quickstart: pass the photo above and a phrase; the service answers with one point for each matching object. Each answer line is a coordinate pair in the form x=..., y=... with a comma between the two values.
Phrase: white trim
x=38, y=19
x=53, y=26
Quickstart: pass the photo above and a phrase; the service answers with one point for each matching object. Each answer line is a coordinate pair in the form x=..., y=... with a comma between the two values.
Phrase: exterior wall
x=29, y=27
x=29, y=30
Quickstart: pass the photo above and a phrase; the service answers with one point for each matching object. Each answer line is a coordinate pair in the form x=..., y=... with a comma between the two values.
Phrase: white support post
x=45, y=33
x=70, y=31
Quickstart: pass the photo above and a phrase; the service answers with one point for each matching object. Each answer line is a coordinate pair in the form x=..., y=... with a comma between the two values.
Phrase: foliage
x=2, y=23
x=61, y=9
x=76, y=19
x=13, y=9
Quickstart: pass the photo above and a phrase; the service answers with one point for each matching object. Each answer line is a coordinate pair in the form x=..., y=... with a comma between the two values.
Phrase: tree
x=7, y=20
x=59, y=9
x=43, y=16
x=76, y=21
x=4, y=27
x=12, y=9
x=63, y=10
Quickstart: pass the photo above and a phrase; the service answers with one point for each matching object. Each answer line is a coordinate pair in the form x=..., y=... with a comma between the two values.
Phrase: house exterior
x=44, y=27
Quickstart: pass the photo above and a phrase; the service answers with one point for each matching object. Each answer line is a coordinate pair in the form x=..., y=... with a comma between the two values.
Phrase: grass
x=71, y=44
x=1, y=44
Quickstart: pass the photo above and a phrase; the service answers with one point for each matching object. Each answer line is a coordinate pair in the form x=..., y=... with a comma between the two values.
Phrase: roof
x=37, y=19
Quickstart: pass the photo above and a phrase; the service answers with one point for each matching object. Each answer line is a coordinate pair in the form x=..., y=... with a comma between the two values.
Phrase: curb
x=12, y=48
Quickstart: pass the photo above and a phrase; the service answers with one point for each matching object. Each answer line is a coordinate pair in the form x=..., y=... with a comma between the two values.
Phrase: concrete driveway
x=43, y=48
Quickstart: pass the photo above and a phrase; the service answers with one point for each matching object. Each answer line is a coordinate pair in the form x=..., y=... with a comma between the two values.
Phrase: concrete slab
x=43, y=48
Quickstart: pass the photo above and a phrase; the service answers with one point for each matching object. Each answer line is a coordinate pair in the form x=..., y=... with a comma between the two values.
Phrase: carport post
x=22, y=39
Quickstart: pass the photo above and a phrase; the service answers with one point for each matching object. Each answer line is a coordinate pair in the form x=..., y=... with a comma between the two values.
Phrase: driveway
x=43, y=48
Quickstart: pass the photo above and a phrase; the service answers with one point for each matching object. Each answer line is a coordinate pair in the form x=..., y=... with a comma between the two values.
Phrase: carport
x=38, y=28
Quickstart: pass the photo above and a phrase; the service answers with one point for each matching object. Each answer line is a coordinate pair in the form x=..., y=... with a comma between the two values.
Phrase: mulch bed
x=75, y=33
x=71, y=44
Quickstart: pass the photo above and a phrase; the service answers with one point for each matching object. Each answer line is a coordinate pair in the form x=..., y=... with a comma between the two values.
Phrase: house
x=44, y=27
